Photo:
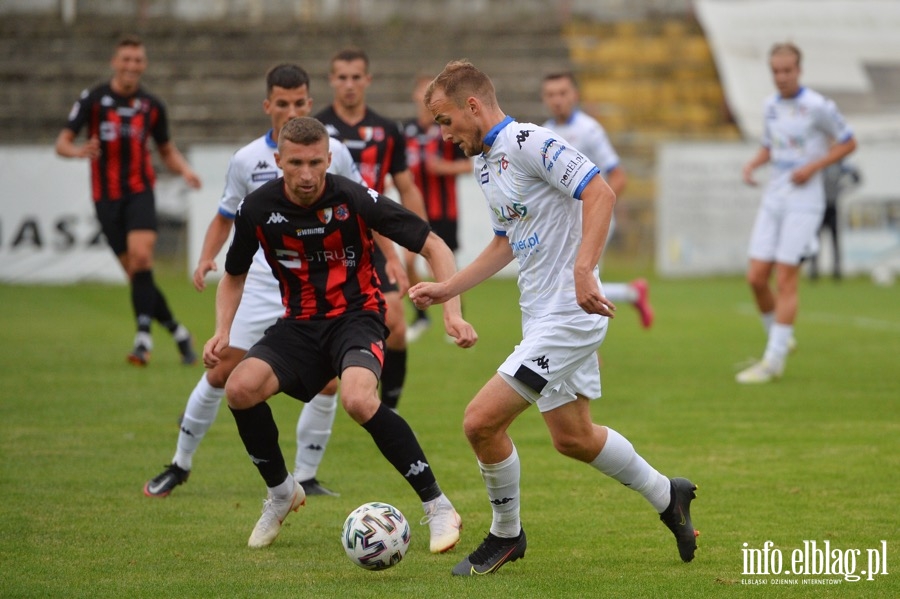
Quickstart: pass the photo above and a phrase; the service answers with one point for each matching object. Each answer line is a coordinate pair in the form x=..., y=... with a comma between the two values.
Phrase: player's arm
x=443, y=265
x=216, y=235
x=444, y=168
x=761, y=157
x=835, y=153
x=598, y=201
x=67, y=148
x=617, y=179
x=410, y=196
x=228, y=298
x=176, y=162
x=396, y=273
x=492, y=258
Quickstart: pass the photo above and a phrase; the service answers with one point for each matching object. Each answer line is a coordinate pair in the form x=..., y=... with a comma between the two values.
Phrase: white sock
x=619, y=460
x=283, y=490
x=502, y=482
x=767, y=319
x=199, y=414
x=777, y=347
x=620, y=292
x=313, y=431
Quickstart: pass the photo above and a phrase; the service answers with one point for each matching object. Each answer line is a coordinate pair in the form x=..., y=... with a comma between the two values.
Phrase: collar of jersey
x=270, y=141
x=491, y=137
x=795, y=96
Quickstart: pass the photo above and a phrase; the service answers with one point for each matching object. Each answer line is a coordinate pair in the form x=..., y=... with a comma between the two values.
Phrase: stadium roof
x=851, y=53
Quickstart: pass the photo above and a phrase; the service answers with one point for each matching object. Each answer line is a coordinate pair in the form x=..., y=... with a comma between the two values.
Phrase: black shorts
x=129, y=213
x=381, y=270
x=306, y=354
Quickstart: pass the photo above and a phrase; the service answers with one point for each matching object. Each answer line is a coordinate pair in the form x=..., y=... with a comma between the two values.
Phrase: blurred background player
x=379, y=150
x=435, y=164
x=837, y=178
x=287, y=97
x=803, y=133
x=559, y=93
x=121, y=117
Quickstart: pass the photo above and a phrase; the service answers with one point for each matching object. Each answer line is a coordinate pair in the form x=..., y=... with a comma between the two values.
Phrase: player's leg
x=392, y=435
x=636, y=293
x=313, y=433
x=248, y=388
x=486, y=421
x=199, y=415
x=393, y=373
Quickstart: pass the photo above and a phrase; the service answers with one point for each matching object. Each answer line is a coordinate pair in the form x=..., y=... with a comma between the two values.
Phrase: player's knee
x=241, y=395
x=331, y=388
x=359, y=406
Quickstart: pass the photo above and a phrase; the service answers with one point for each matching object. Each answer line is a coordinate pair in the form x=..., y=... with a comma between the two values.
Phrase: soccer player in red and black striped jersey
x=435, y=164
x=379, y=149
x=316, y=231
x=121, y=118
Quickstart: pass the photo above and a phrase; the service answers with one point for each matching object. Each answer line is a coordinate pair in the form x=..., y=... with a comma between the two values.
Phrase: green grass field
x=813, y=457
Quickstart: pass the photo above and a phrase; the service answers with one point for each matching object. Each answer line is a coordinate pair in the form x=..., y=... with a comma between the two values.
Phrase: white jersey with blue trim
x=797, y=131
x=589, y=137
x=251, y=167
x=532, y=183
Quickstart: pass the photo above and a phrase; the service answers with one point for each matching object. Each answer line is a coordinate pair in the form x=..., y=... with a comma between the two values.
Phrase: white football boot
x=275, y=510
x=444, y=523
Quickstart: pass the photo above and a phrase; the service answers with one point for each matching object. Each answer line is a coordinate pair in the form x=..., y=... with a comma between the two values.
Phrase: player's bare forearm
x=216, y=236
x=598, y=201
x=443, y=265
x=410, y=196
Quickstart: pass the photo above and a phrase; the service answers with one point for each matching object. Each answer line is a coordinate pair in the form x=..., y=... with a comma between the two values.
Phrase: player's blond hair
x=460, y=80
x=786, y=48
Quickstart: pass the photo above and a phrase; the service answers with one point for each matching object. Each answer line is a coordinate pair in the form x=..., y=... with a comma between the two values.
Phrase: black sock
x=162, y=313
x=143, y=299
x=399, y=445
x=258, y=431
x=393, y=373
x=421, y=314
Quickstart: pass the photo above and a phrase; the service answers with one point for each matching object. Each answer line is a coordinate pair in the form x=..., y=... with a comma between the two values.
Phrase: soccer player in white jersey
x=550, y=210
x=559, y=93
x=804, y=133
x=253, y=165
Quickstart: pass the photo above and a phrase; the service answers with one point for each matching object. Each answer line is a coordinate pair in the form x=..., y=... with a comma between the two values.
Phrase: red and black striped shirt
x=322, y=255
x=376, y=144
x=438, y=191
x=124, y=126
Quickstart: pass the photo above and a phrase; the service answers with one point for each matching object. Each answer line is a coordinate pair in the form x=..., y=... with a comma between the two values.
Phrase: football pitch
x=809, y=463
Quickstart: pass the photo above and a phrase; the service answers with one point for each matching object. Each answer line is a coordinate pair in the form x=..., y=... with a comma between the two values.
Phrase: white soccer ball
x=375, y=536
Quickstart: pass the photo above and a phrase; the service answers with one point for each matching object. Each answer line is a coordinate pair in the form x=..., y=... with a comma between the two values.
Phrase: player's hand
x=463, y=333
x=397, y=274
x=191, y=178
x=747, y=175
x=423, y=295
x=591, y=300
x=802, y=175
x=91, y=149
x=203, y=268
x=213, y=349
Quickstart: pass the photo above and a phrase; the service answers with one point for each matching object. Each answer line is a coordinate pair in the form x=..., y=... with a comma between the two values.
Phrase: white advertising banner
x=48, y=231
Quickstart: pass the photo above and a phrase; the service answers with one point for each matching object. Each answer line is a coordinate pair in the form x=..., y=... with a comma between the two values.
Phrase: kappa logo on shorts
x=543, y=363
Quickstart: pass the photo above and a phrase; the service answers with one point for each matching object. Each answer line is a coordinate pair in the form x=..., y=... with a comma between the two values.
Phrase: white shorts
x=785, y=236
x=557, y=359
x=259, y=309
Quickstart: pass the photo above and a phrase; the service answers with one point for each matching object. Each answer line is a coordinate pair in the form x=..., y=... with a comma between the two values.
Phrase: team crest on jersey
x=502, y=164
x=341, y=212
x=325, y=215
x=371, y=133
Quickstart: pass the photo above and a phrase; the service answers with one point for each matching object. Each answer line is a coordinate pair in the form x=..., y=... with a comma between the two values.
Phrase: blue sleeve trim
x=587, y=179
x=226, y=214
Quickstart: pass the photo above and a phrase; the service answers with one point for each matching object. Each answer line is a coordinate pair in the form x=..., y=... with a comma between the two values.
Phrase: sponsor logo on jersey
x=312, y=231
x=511, y=212
x=107, y=100
x=572, y=168
x=485, y=175
x=257, y=177
x=548, y=160
x=525, y=244
x=274, y=218
x=522, y=136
